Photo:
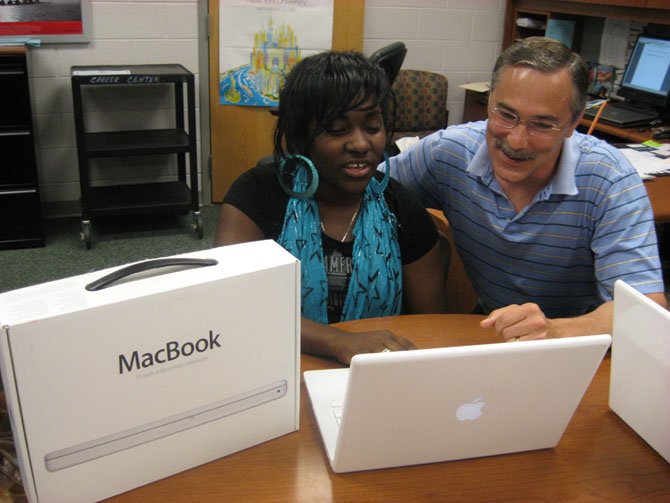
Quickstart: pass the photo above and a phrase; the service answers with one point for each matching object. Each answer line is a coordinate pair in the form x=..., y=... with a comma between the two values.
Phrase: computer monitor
x=646, y=80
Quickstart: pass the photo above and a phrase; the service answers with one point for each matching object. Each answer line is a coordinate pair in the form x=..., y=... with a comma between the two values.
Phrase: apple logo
x=470, y=411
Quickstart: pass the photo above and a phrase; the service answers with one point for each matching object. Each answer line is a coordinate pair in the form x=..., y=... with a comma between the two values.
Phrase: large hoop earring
x=379, y=187
x=313, y=184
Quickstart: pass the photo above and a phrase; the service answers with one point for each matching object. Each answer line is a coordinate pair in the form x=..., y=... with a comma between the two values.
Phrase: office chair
x=420, y=103
x=390, y=58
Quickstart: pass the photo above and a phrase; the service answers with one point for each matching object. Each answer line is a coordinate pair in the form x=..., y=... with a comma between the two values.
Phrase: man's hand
x=524, y=322
x=352, y=343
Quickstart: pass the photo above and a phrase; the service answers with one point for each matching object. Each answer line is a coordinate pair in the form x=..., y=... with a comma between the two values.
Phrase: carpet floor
x=114, y=241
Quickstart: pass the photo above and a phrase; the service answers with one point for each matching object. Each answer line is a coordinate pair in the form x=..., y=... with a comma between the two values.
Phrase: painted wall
x=460, y=38
x=124, y=32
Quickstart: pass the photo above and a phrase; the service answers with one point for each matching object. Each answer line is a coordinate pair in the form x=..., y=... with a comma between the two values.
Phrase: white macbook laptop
x=640, y=367
x=430, y=405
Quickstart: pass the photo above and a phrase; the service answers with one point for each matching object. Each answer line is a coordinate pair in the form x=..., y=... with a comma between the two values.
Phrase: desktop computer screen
x=645, y=86
x=646, y=80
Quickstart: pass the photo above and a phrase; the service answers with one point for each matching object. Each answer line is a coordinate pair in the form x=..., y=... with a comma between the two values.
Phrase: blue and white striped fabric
x=589, y=227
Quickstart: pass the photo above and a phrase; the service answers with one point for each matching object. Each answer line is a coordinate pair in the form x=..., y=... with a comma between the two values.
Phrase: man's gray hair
x=547, y=55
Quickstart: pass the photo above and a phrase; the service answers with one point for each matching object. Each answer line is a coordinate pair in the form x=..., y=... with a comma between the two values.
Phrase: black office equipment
x=21, y=224
x=178, y=194
x=645, y=85
x=661, y=135
x=390, y=58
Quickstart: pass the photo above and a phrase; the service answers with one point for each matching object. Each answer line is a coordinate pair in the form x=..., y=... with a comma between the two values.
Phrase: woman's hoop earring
x=300, y=177
x=379, y=187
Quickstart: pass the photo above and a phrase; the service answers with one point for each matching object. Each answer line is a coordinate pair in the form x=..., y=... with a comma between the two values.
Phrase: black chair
x=390, y=58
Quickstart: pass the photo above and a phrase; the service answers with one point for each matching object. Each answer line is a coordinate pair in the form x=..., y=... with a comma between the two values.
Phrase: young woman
x=367, y=248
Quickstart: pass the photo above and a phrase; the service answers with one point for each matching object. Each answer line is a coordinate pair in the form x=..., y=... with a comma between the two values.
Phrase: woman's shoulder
x=264, y=171
x=261, y=178
x=397, y=193
x=257, y=193
x=417, y=233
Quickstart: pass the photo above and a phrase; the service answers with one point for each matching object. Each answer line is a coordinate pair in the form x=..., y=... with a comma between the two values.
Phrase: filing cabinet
x=475, y=108
x=21, y=222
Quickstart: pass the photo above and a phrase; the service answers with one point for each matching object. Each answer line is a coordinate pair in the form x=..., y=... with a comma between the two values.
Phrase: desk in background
x=658, y=190
x=599, y=458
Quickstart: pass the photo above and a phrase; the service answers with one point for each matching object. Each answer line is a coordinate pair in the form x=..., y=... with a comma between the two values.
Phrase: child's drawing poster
x=261, y=40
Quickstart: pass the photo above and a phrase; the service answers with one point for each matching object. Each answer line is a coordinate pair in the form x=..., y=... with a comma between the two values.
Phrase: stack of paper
x=649, y=161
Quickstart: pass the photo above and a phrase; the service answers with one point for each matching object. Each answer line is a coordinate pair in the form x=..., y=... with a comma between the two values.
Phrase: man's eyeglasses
x=508, y=120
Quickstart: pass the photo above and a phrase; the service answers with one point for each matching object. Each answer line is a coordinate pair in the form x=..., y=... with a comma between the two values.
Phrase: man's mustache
x=517, y=155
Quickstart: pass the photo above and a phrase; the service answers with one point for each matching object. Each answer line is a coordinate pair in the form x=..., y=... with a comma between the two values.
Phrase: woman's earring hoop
x=379, y=187
x=300, y=177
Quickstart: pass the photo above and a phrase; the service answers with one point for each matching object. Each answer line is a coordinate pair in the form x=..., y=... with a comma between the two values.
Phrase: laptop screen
x=647, y=76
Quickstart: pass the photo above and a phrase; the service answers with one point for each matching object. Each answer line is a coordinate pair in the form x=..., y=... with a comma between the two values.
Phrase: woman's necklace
x=351, y=224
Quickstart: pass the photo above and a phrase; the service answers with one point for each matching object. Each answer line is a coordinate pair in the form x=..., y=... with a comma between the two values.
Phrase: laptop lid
x=431, y=405
x=640, y=366
x=622, y=115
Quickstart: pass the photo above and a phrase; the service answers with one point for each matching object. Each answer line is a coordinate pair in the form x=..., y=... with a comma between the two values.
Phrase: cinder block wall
x=460, y=38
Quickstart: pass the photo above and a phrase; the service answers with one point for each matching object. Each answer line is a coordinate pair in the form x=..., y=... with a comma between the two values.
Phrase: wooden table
x=599, y=457
x=624, y=135
x=658, y=190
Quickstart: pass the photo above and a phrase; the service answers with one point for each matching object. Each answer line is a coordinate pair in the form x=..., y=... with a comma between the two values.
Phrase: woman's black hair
x=321, y=88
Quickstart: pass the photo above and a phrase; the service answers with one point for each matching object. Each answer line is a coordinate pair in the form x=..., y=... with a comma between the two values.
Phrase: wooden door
x=242, y=135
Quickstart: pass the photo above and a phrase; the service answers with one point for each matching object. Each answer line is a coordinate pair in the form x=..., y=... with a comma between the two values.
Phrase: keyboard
x=622, y=114
x=337, y=407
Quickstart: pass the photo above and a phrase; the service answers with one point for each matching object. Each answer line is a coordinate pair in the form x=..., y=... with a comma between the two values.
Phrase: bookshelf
x=525, y=18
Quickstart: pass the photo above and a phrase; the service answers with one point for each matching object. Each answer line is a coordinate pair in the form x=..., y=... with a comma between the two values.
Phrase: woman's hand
x=348, y=344
x=327, y=340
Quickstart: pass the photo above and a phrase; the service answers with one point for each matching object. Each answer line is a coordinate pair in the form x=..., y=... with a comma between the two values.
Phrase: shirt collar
x=563, y=181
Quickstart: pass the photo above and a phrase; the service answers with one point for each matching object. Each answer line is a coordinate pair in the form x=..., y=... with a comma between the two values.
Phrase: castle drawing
x=274, y=53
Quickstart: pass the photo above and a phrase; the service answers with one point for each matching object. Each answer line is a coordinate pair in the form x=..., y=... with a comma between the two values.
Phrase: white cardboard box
x=159, y=372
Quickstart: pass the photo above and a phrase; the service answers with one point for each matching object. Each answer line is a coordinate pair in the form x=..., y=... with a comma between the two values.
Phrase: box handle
x=115, y=276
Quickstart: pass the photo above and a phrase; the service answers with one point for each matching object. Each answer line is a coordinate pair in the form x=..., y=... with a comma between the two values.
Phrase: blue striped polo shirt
x=591, y=225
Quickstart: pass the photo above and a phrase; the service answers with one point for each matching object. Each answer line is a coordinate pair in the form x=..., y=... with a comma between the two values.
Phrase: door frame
x=203, y=94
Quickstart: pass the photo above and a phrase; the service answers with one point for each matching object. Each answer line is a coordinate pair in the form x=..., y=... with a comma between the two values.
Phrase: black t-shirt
x=257, y=194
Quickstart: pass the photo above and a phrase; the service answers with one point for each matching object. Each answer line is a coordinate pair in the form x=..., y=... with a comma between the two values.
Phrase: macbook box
x=640, y=367
x=120, y=377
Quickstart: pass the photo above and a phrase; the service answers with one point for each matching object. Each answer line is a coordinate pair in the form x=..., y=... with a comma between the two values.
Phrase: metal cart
x=178, y=195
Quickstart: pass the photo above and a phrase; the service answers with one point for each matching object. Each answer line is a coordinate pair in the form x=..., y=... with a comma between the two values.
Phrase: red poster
x=49, y=19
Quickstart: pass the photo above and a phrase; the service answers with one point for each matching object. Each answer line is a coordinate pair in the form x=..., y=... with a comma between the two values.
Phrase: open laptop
x=645, y=85
x=640, y=366
x=430, y=405
x=623, y=115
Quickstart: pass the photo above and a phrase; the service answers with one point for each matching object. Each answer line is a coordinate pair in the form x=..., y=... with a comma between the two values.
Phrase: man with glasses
x=545, y=219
